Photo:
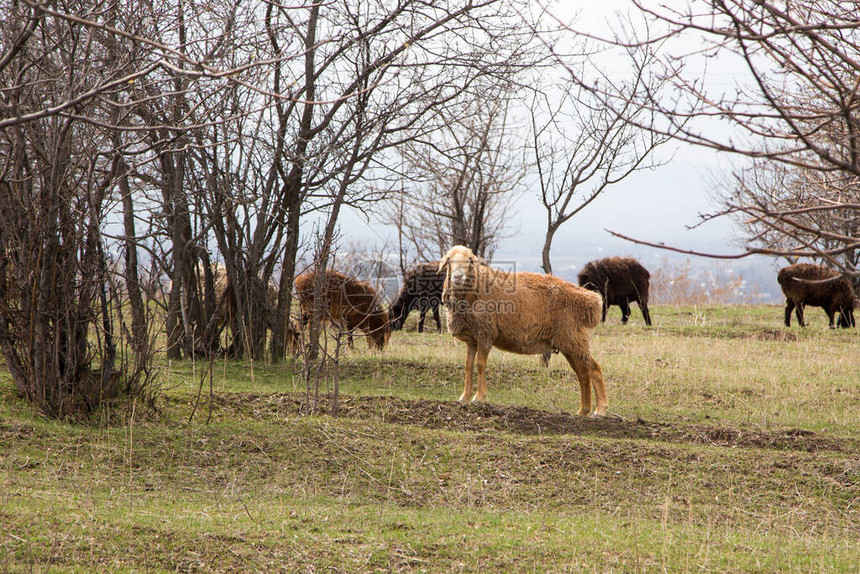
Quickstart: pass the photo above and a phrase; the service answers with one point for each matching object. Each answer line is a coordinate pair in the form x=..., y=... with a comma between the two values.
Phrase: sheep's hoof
x=596, y=415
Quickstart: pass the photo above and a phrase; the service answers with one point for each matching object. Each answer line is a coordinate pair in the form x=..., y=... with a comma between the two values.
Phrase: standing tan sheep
x=526, y=313
x=807, y=284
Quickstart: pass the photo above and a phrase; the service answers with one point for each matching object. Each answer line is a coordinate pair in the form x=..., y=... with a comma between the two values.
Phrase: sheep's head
x=460, y=263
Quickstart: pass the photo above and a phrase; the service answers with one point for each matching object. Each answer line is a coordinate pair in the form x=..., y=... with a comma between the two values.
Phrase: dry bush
x=680, y=284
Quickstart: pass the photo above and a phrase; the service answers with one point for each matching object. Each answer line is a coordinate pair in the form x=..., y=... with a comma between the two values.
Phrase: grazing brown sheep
x=807, y=284
x=422, y=291
x=219, y=283
x=225, y=305
x=526, y=313
x=620, y=280
x=350, y=303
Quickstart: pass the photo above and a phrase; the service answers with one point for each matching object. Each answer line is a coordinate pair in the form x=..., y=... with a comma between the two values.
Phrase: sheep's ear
x=443, y=263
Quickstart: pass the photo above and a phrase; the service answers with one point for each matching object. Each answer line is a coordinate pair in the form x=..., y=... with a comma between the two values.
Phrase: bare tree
x=784, y=209
x=582, y=148
x=795, y=104
x=61, y=316
x=463, y=179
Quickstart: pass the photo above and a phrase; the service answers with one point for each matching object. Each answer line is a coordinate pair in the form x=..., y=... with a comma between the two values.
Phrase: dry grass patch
x=734, y=448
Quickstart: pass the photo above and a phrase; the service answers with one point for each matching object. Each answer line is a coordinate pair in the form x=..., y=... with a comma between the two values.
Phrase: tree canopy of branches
x=582, y=148
x=796, y=104
x=179, y=135
x=462, y=180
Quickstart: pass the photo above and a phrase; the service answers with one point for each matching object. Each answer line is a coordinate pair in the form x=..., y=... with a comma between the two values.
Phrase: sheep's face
x=459, y=262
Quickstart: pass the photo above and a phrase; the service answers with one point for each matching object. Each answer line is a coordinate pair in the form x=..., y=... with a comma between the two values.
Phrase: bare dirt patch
x=775, y=335
x=529, y=421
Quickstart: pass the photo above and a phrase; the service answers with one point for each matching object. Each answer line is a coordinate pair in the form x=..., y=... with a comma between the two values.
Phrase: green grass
x=732, y=447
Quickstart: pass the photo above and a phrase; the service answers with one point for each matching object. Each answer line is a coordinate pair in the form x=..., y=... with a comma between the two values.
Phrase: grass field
x=733, y=445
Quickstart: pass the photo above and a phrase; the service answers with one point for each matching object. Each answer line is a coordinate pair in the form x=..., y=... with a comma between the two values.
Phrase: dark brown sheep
x=621, y=280
x=807, y=284
x=422, y=291
x=351, y=304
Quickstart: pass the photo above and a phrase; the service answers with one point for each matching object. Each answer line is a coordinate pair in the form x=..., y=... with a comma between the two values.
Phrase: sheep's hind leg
x=470, y=365
x=590, y=374
x=799, y=312
x=481, y=395
x=421, y=316
x=625, y=312
x=596, y=377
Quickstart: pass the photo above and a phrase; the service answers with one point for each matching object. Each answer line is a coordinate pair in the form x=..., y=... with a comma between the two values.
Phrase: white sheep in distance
x=525, y=313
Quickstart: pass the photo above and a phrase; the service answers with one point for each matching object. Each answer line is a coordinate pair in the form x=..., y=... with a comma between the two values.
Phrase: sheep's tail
x=591, y=308
x=596, y=312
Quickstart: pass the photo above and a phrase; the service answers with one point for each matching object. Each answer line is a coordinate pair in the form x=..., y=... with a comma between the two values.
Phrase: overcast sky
x=656, y=206
x=653, y=205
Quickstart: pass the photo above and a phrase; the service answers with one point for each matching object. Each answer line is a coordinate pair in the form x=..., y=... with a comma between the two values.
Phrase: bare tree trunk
x=320, y=284
x=547, y=246
x=139, y=343
x=282, y=324
x=179, y=333
x=293, y=183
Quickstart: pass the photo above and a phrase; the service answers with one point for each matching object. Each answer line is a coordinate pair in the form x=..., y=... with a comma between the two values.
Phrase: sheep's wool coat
x=350, y=302
x=527, y=313
x=838, y=292
x=834, y=296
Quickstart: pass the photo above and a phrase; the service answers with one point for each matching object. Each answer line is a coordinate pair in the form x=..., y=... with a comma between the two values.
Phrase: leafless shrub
x=680, y=284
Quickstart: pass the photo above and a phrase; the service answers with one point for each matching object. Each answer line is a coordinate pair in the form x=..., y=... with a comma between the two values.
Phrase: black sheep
x=621, y=280
x=422, y=291
x=807, y=284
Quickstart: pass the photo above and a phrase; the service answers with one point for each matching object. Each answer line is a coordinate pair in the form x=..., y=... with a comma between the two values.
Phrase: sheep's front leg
x=468, y=391
x=482, y=376
x=422, y=314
